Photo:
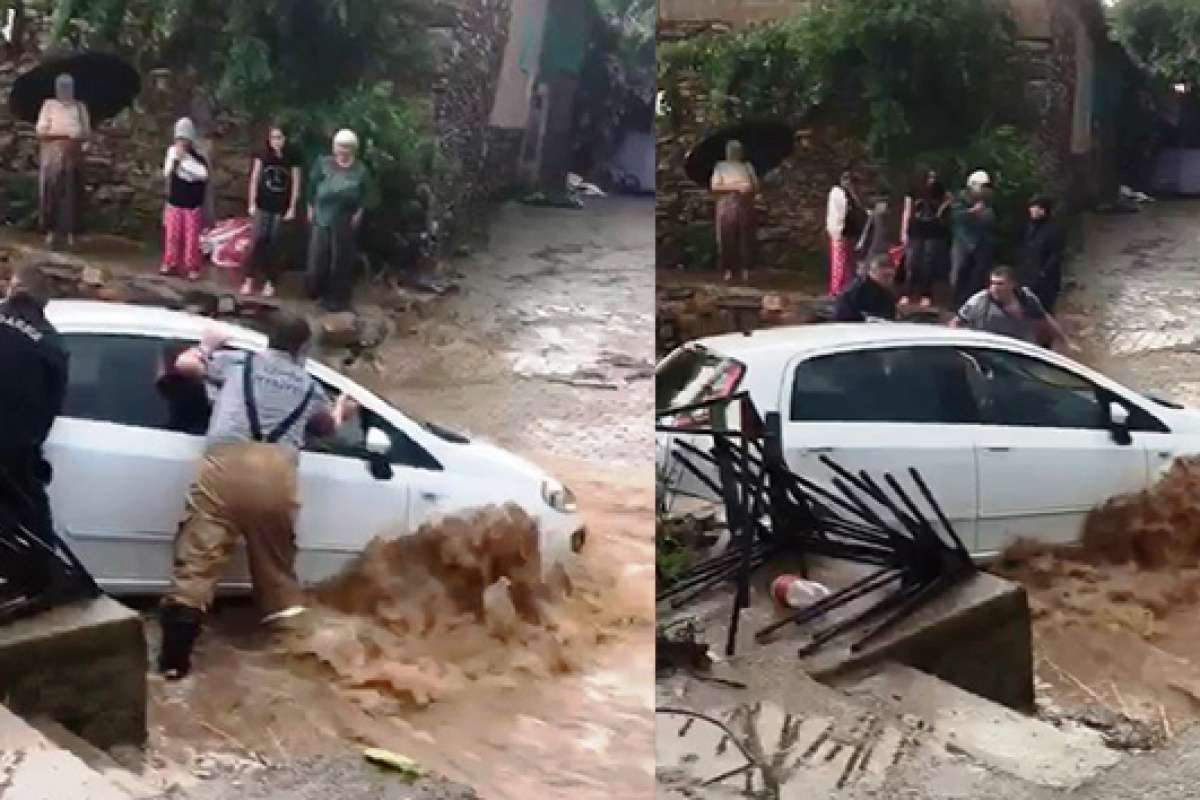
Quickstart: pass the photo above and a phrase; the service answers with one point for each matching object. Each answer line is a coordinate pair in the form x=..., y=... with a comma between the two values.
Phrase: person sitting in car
x=869, y=296
x=1007, y=308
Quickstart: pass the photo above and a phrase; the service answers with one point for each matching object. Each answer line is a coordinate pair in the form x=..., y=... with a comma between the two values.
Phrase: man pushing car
x=246, y=489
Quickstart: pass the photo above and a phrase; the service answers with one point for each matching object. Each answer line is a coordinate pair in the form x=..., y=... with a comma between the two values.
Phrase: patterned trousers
x=181, y=238
x=841, y=265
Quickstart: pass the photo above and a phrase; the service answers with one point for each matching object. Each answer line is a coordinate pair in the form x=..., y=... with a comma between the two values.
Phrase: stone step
x=34, y=768
x=96, y=759
x=988, y=733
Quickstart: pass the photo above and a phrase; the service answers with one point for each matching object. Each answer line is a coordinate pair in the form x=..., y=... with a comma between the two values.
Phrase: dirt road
x=548, y=351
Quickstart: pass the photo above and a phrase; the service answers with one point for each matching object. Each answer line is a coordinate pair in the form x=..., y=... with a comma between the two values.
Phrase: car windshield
x=694, y=375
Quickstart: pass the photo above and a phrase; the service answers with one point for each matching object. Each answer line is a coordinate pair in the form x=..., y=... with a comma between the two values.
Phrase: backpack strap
x=248, y=397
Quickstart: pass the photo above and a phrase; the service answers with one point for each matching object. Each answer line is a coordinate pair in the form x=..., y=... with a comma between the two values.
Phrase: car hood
x=489, y=459
x=1180, y=420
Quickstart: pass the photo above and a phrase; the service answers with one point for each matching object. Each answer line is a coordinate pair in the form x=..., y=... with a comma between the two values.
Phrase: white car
x=1014, y=440
x=126, y=449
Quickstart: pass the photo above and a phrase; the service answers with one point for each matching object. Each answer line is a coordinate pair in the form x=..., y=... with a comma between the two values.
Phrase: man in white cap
x=973, y=224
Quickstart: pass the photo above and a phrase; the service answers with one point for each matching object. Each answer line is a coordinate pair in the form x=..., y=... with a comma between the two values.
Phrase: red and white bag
x=228, y=242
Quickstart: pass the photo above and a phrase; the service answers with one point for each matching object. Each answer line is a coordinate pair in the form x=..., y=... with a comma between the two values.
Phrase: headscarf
x=64, y=88
x=184, y=129
x=345, y=138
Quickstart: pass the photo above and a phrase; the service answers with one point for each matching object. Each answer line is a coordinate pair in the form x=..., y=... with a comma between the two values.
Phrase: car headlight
x=559, y=497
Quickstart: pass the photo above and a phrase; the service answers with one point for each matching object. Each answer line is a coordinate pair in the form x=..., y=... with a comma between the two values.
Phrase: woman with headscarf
x=340, y=191
x=735, y=185
x=63, y=127
x=186, y=174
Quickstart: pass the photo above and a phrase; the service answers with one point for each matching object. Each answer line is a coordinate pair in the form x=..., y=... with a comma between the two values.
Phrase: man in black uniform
x=33, y=383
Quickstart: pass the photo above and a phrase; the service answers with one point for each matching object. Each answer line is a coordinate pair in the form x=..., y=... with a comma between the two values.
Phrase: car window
x=124, y=380
x=899, y=384
x=350, y=439
x=1018, y=390
x=695, y=375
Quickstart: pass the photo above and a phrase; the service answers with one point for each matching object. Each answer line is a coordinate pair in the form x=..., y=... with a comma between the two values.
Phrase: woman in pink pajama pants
x=186, y=173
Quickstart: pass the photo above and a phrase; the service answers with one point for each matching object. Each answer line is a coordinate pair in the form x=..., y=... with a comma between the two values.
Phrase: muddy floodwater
x=547, y=350
x=1114, y=624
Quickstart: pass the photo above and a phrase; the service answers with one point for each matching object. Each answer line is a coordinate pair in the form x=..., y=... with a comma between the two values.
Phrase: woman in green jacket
x=340, y=190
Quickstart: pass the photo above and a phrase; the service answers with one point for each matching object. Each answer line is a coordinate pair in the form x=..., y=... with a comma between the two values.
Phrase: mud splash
x=1114, y=616
x=459, y=604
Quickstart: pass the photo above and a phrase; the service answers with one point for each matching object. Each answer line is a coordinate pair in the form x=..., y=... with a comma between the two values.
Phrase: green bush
x=1010, y=159
x=913, y=75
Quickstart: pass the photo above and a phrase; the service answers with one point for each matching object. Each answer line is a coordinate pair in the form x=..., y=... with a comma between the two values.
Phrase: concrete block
x=82, y=665
x=977, y=636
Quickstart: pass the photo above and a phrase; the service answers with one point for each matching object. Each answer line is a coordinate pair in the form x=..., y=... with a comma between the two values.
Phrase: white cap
x=345, y=138
x=978, y=180
x=184, y=129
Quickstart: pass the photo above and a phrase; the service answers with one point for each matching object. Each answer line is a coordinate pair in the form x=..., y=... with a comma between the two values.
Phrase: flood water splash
x=459, y=604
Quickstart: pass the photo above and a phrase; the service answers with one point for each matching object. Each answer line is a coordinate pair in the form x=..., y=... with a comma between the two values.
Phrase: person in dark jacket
x=1042, y=249
x=33, y=364
x=870, y=295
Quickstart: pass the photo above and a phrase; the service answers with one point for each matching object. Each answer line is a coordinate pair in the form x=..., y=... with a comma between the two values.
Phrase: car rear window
x=694, y=375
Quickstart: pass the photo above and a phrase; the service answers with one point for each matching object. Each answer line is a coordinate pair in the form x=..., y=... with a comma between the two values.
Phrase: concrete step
x=96, y=759
x=34, y=768
x=988, y=733
x=810, y=740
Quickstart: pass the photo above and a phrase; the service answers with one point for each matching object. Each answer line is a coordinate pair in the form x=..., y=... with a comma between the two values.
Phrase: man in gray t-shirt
x=1009, y=309
x=246, y=490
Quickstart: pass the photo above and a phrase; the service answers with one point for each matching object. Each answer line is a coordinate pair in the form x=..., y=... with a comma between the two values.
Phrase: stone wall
x=791, y=206
x=124, y=163
x=471, y=53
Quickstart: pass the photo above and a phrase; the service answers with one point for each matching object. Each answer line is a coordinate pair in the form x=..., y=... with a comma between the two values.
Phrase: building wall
x=510, y=110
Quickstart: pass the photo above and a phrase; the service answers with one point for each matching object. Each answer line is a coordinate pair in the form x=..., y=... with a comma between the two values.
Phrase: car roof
x=797, y=339
x=104, y=317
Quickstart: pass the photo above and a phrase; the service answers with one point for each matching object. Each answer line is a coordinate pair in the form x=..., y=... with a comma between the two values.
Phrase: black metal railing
x=909, y=542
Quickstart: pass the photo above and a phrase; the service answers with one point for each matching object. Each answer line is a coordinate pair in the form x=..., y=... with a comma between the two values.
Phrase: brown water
x=1114, y=618
x=529, y=692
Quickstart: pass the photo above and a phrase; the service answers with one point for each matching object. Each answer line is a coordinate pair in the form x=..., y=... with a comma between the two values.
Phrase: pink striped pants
x=181, y=238
x=841, y=265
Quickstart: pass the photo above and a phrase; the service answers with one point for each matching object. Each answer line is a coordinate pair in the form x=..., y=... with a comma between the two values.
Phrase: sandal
x=268, y=290
x=194, y=275
x=247, y=288
x=166, y=270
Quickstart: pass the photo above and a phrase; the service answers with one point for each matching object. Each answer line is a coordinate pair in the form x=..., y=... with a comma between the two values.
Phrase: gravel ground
x=324, y=778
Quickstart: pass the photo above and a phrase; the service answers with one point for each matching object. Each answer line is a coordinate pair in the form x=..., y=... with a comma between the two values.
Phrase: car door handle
x=818, y=450
x=432, y=497
x=999, y=449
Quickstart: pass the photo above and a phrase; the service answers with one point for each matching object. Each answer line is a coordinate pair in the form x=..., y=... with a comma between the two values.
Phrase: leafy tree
x=1161, y=36
x=916, y=75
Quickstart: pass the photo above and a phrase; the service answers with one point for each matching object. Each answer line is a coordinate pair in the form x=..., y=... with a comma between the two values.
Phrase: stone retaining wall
x=124, y=163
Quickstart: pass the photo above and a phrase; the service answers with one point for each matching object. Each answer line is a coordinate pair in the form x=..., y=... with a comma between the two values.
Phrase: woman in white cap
x=340, y=190
x=63, y=128
x=186, y=174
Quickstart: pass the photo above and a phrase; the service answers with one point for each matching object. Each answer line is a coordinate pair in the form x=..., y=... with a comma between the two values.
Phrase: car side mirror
x=1118, y=420
x=378, y=442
